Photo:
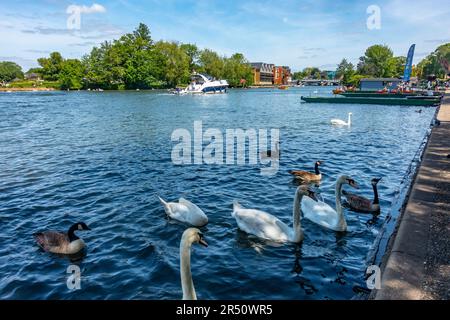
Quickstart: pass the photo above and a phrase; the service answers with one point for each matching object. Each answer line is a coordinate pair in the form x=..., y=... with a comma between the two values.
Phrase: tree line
x=379, y=61
x=135, y=61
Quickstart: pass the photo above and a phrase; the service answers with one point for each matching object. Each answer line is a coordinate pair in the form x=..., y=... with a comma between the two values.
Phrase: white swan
x=339, y=122
x=321, y=213
x=190, y=236
x=269, y=227
x=185, y=211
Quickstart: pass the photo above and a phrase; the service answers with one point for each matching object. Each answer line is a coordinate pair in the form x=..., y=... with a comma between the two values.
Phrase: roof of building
x=260, y=64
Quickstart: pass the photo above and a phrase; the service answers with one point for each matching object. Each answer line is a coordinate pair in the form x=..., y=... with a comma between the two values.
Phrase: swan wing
x=261, y=224
x=319, y=212
x=338, y=122
x=196, y=215
x=183, y=213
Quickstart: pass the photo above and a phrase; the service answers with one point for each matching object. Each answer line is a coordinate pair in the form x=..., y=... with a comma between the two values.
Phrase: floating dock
x=382, y=101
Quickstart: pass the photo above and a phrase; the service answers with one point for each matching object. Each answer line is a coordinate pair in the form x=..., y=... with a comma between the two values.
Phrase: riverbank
x=25, y=89
x=416, y=266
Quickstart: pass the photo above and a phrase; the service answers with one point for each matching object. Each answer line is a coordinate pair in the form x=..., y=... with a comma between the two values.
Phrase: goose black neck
x=71, y=233
x=316, y=168
x=375, y=194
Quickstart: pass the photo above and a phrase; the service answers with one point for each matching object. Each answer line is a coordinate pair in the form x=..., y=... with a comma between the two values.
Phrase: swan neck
x=297, y=217
x=185, y=269
x=349, y=119
x=338, y=193
x=376, y=200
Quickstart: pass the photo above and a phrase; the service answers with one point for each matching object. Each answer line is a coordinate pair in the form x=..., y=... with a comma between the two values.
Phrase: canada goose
x=60, y=242
x=339, y=122
x=266, y=226
x=323, y=214
x=185, y=211
x=362, y=204
x=308, y=176
x=190, y=236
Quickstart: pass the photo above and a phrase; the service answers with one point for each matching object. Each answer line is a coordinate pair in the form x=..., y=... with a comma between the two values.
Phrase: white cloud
x=420, y=12
x=95, y=8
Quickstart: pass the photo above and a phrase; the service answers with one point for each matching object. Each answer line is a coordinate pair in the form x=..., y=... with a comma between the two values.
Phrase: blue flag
x=408, y=66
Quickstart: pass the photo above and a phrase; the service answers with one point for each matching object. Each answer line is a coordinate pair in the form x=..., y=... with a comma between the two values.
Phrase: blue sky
x=296, y=33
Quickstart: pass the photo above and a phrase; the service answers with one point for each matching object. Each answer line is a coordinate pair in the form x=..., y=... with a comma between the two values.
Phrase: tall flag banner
x=408, y=66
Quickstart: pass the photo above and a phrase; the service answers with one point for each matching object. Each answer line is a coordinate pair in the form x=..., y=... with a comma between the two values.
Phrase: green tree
x=377, y=62
x=131, y=62
x=297, y=75
x=345, y=71
x=236, y=69
x=398, y=66
x=144, y=66
x=10, y=71
x=103, y=67
x=211, y=64
x=71, y=75
x=355, y=80
x=176, y=62
x=437, y=63
x=51, y=67
x=193, y=53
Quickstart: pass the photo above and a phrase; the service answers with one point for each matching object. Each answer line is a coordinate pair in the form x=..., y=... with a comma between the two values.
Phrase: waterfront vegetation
x=379, y=61
x=134, y=61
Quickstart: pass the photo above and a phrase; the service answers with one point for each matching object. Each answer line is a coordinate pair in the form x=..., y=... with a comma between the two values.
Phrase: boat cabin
x=375, y=84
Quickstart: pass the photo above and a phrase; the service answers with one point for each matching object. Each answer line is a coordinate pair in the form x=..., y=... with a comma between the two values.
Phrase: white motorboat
x=204, y=84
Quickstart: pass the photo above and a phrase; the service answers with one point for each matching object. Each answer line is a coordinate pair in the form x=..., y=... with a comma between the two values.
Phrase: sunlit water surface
x=103, y=158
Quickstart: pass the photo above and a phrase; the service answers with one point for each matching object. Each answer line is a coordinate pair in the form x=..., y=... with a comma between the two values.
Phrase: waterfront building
x=277, y=75
x=331, y=75
x=287, y=75
x=263, y=73
x=32, y=76
x=269, y=74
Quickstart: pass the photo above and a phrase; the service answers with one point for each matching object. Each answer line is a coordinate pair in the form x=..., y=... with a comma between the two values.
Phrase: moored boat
x=202, y=84
x=382, y=101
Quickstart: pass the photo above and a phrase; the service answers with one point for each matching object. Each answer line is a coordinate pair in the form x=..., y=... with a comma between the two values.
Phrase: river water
x=103, y=157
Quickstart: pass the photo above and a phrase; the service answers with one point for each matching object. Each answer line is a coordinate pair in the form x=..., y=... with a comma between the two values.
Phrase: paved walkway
x=418, y=266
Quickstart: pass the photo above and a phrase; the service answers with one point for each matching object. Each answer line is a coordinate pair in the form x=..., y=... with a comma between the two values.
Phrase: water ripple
x=103, y=159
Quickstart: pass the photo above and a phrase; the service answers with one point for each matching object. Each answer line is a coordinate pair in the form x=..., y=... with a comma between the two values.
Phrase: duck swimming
x=60, y=242
x=308, y=176
x=362, y=204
